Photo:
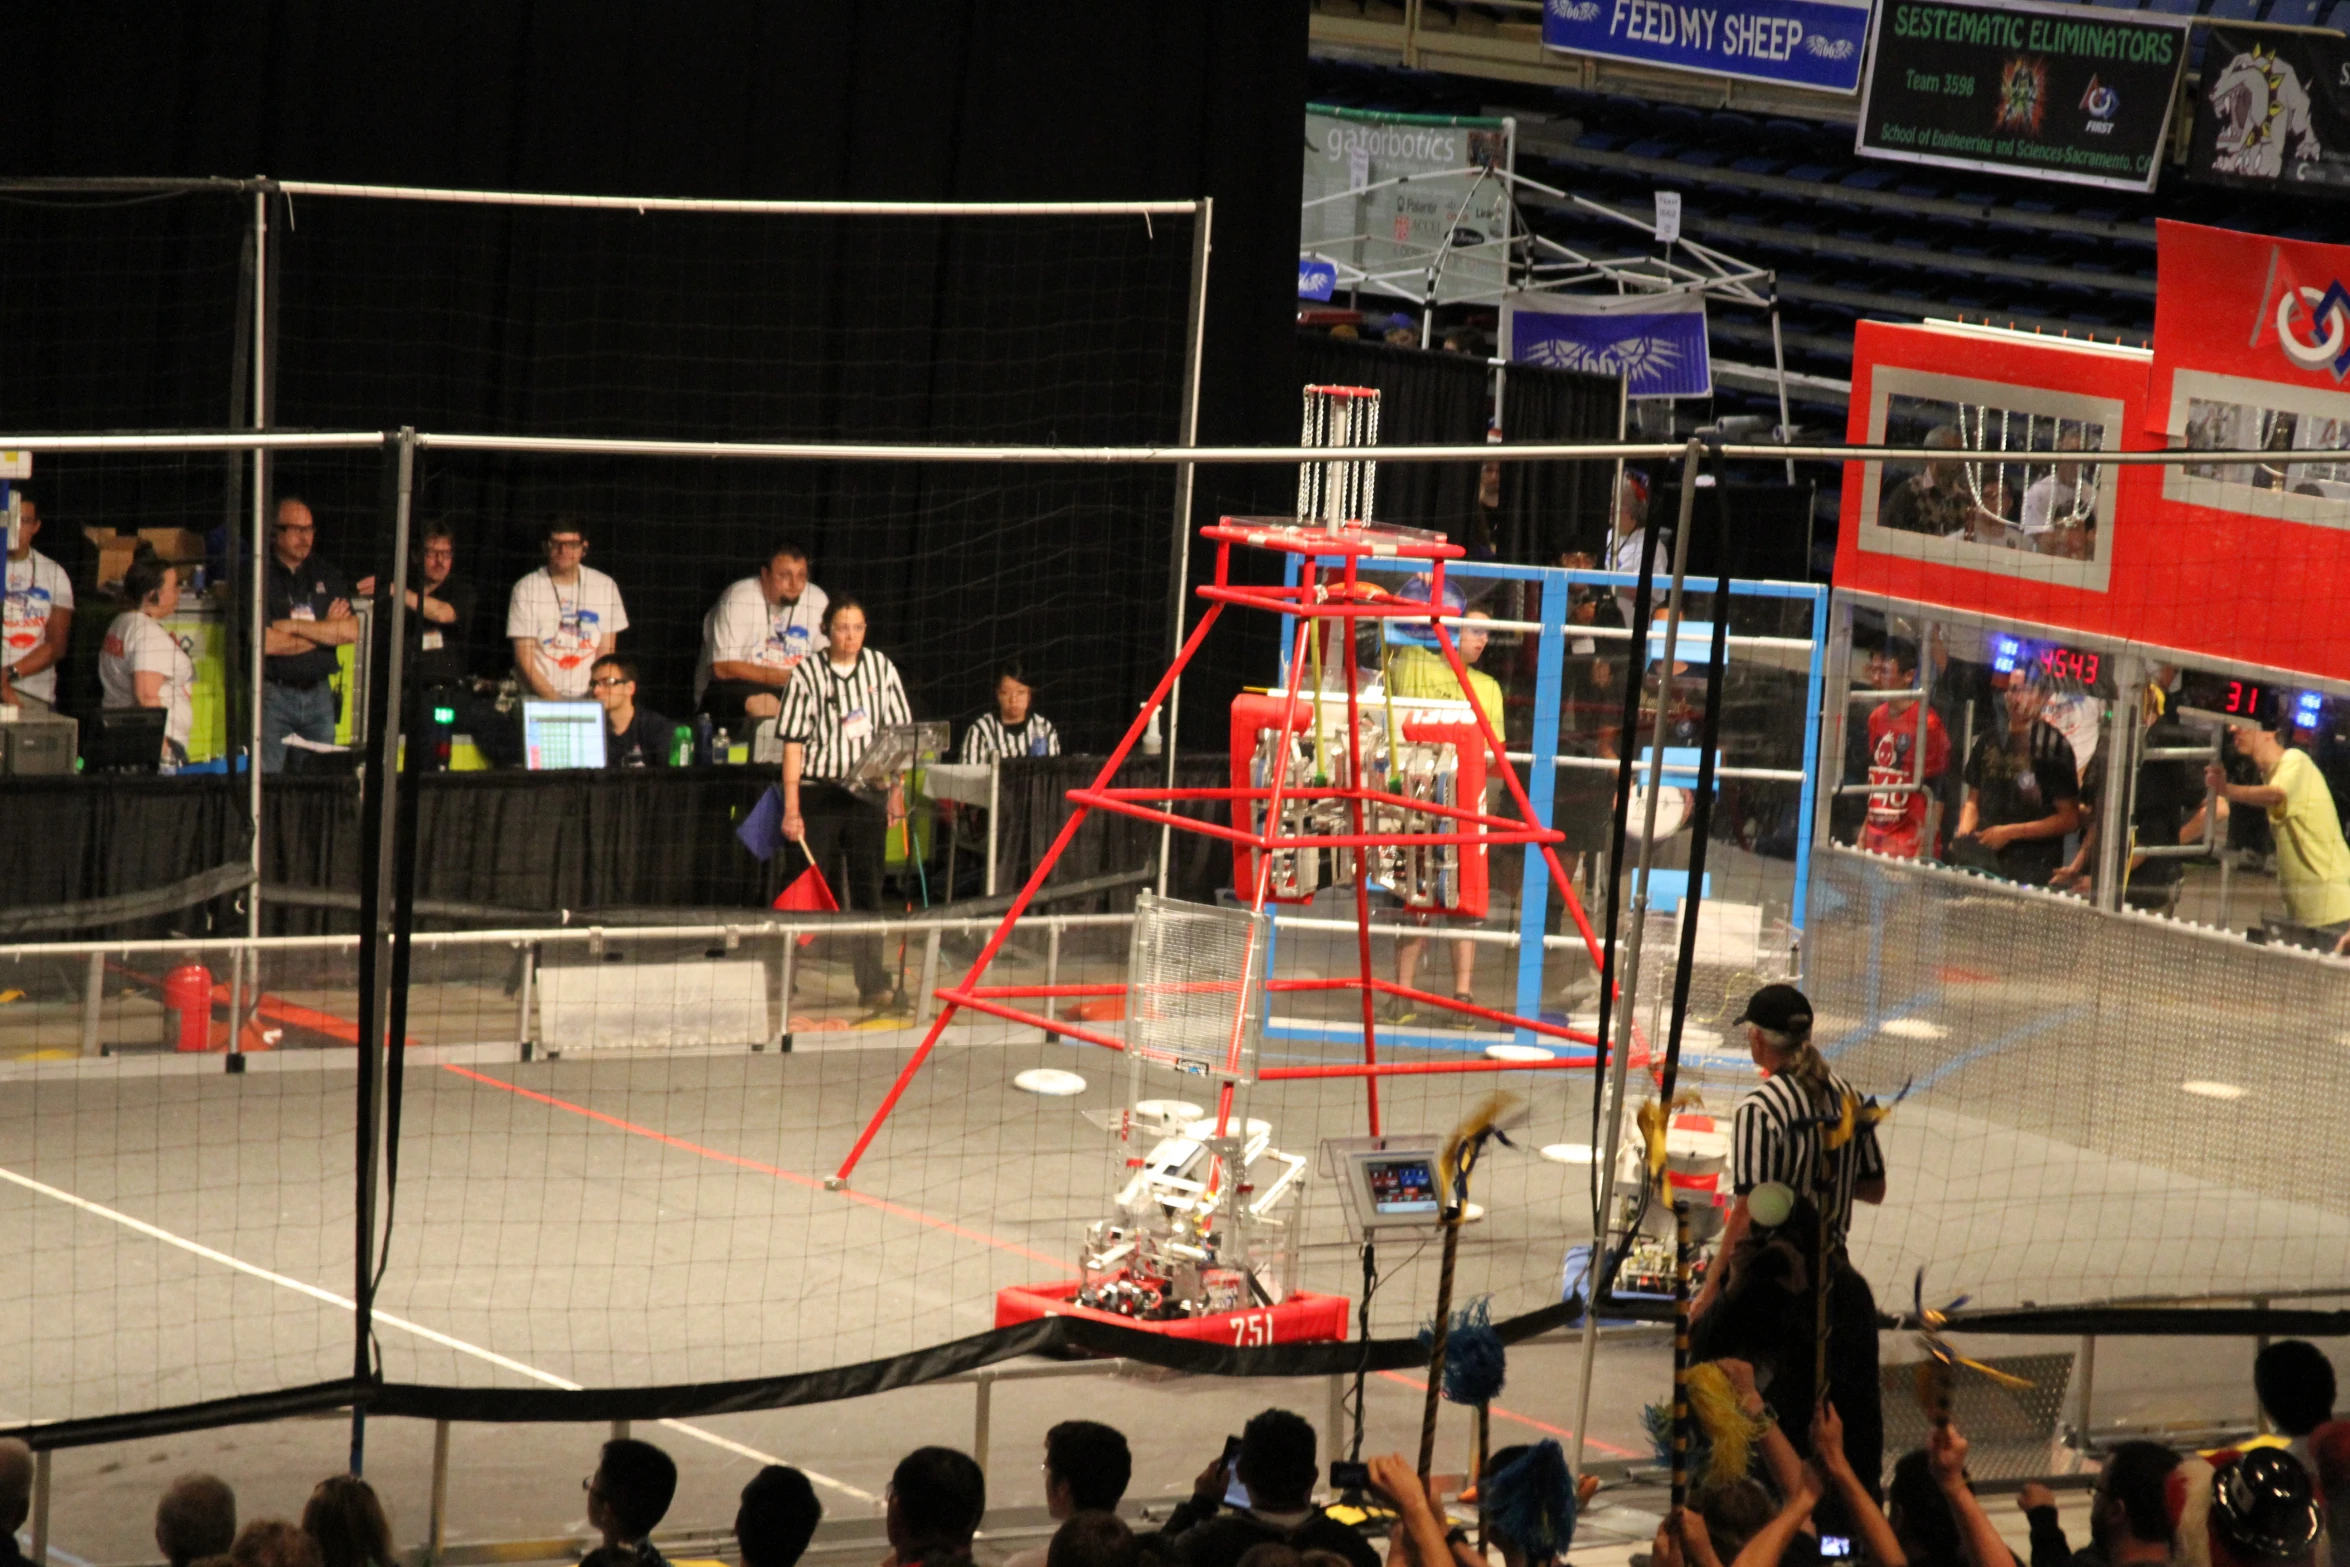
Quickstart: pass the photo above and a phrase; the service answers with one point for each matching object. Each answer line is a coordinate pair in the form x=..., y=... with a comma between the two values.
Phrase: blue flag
x=761, y=832
x=1656, y=342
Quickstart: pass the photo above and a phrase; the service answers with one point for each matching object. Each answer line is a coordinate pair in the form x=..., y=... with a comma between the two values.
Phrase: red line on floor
x=883, y=1205
x=1543, y=1426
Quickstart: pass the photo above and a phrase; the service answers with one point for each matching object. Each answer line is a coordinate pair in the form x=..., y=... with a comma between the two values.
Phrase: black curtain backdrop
x=1429, y=398
x=1034, y=799
x=124, y=316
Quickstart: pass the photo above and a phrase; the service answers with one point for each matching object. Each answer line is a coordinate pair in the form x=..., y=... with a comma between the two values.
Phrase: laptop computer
x=559, y=735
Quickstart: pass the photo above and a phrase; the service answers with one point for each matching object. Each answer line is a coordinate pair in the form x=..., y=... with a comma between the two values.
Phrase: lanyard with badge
x=856, y=725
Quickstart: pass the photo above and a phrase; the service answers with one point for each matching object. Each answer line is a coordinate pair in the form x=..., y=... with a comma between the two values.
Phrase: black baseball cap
x=2263, y=1507
x=1780, y=1008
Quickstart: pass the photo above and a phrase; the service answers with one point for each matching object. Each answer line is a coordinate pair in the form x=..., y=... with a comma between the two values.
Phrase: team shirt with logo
x=1896, y=821
x=743, y=628
x=37, y=588
x=138, y=644
x=569, y=623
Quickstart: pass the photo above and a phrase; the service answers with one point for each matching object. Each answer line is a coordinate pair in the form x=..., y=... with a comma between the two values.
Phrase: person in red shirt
x=1896, y=821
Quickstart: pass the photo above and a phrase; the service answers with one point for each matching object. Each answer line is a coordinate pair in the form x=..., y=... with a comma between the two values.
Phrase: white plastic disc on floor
x=1518, y=1053
x=1050, y=1081
x=1176, y=1110
x=1471, y=1212
x=1567, y=1153
x=1913, y=1028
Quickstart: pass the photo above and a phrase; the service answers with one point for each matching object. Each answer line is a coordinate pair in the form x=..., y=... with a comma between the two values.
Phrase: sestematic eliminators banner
x=2055, y=92
x=1801, y=43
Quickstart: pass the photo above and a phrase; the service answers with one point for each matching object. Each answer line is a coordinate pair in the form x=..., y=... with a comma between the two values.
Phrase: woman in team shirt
x=143, y=665
x=833, y=707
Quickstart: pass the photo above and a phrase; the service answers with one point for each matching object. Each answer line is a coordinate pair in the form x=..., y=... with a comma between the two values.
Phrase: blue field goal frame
x=1540, y=777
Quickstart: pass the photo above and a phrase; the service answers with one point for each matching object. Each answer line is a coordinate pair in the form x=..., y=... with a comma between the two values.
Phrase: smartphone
x=1838, y=1545
x=1349, y=1477
x=1235, y=1494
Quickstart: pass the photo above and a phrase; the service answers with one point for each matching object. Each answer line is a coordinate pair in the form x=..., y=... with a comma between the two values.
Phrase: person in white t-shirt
x=37, y=623
x=562, y=618
x=2057, y=496
x=756, y=635
x=141, y=663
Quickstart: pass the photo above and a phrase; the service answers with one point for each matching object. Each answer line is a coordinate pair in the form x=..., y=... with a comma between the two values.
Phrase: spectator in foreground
x=756, y=635
x=1275, y=1467
x=1015, y=728
x=937, y=1497
x=1896, y=823
x=345, y=1518
x=2313, y=864
x=309, y=608
x=142, y=665
x=1086, y=1469
x=2129, y=1512
x=2023, y=793
x=1090, y=1539
x=196, y=1518
x=273, y=1542
x=628, y=1496
x=777, y=1518
x=633, y=736
x=562, y=618
x=2295, y=1384
x=16, y=1496
x=37, y=624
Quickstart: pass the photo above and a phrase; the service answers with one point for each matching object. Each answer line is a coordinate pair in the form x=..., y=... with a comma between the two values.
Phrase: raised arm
x=1827, y=1447
x=1978, y=1537
x=1770, y=1542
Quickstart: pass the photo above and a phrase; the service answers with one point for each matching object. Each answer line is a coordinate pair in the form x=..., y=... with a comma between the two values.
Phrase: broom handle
x=1680, y=1352
x=1452, y=1240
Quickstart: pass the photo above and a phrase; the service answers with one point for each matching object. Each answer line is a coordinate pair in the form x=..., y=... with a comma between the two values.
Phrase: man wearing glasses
x=309, y=607
x=562, y=618
x=633, y=736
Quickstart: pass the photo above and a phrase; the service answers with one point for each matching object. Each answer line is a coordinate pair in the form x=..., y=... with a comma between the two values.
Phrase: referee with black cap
x=1807, y=1130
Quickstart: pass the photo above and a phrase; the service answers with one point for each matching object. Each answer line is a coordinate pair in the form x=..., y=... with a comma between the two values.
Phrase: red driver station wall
x=2227, y=573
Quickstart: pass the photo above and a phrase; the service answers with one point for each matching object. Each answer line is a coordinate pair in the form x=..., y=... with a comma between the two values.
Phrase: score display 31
x=2243, y=699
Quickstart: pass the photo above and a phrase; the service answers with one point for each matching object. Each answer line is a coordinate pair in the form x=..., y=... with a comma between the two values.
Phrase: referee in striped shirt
x=1804, y=1128
x=832, y=708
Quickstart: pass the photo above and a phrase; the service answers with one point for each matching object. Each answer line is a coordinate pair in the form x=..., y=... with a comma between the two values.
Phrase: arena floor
x=617, y=1218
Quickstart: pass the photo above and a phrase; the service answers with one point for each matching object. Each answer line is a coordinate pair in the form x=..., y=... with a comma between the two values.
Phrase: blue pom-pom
x=1475, y=1359
x=1531, y=1503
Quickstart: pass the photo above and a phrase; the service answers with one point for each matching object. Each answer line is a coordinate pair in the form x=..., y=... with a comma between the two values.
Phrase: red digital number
x=2236, y=703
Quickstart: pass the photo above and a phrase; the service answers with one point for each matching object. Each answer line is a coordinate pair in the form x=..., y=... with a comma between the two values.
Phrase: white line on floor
x=402, y=1324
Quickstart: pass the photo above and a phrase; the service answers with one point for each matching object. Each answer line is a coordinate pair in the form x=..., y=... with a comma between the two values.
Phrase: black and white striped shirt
x=1776, y=1135
x=835, y=715
x=990, y=738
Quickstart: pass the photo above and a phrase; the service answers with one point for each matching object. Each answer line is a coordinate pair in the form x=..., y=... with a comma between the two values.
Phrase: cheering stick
x=1453, y=1164
x=1937, y=1374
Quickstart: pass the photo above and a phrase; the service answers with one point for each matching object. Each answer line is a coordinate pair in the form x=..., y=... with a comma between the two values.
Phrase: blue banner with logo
x=1316, y=279
x=1655, y=342
x=1802, y=43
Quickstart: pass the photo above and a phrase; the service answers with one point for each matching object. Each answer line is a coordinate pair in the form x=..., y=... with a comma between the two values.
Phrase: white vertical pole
x=1187, y=433
x=250, y=959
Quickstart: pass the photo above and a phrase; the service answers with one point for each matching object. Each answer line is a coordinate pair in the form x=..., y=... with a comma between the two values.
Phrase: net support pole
x=260, y=609
x=1179, y=563
x=378, y=894
x=1779, y=369
x=1629, y=983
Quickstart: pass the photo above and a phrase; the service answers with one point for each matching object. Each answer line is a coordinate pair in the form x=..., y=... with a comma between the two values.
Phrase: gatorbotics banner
x=2275, y=113
x=2056, y=92
x=1802, y=43
x=1386, y=193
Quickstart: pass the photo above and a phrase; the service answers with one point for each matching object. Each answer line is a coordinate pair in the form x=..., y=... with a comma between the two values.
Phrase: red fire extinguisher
x=187, y=1008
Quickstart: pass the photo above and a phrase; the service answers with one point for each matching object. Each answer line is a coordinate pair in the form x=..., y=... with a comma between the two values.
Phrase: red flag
x=808, y=893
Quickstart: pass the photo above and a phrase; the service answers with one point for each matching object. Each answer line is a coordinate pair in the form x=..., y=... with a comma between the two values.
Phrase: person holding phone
x=1260, y=1491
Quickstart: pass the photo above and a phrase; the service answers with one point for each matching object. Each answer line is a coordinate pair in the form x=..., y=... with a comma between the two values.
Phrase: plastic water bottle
x=701, y=739
x=1153, y=743
x=722, y=748
x=681, y=747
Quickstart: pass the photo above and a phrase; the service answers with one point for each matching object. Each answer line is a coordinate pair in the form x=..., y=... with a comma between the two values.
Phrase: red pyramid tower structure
x=1329, y=595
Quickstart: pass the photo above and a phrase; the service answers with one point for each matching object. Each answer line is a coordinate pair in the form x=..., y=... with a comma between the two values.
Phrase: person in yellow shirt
x=1422, y=672
x=2313, y=863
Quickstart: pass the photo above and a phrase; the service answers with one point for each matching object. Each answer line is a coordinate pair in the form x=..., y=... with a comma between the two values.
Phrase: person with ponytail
x=1803, y=1128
